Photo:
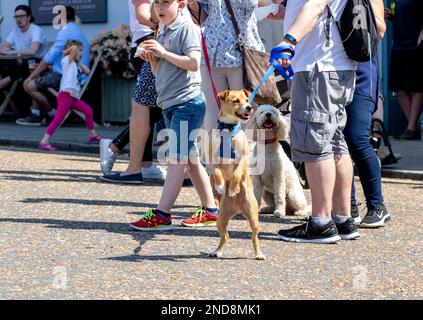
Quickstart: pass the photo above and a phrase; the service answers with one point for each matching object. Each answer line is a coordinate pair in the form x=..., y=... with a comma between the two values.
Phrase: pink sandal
x=47, y=147
x=94, y=139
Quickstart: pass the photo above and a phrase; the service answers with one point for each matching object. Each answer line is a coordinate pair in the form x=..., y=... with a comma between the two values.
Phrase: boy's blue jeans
x=357, y=132
x=184, y=120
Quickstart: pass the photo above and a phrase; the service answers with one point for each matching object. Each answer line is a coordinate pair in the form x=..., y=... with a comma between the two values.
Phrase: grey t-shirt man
x=175, y=85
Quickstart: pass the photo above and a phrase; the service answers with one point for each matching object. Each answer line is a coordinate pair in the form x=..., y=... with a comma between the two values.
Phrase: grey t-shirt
x=175, y=85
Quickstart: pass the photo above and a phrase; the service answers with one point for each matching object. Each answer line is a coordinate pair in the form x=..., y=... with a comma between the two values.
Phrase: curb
x=62, y=146
x=402, y=174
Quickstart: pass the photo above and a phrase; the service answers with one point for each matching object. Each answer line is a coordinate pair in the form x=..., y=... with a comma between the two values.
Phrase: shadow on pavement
x=90, y=202
x=141, y=237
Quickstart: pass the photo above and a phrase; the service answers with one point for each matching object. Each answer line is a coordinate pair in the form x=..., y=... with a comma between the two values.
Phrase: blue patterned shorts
x=145, y=89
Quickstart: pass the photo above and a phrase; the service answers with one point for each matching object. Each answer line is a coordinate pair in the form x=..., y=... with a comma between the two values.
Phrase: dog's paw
x=261, y=257
x=232, y=193
x=279, y=213
x=234, y=190
x=215, y=254
x=267, y=210
x=220, y=189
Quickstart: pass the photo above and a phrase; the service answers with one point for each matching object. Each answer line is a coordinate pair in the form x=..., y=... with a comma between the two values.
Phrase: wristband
x=290, y=39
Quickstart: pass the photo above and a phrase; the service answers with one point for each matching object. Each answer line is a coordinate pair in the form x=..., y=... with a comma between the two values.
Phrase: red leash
x=206, y=58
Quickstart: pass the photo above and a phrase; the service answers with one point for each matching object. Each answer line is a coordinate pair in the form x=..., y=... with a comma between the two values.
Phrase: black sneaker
x=355, y=214
x=376, y=217
x=310, y=232
x=410, y=135
x=32, y=120
x=348, y=230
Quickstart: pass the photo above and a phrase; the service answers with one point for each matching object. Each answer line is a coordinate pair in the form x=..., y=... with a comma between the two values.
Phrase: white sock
x=321, y=221
x=338, y=218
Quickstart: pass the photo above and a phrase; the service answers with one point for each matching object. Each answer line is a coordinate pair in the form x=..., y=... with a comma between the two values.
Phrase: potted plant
x=118, y=75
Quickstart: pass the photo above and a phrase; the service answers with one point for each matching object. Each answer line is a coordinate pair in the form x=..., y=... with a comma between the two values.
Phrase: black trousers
x=122, y=139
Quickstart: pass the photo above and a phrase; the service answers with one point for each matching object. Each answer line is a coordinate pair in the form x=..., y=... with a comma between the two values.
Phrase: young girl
x=68, y=97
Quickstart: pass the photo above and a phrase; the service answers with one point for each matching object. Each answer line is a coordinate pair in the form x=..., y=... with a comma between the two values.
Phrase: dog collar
x=233, y=128
x=270, y=141
x=225, y=149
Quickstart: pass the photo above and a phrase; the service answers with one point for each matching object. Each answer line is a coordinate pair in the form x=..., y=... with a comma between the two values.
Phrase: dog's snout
x=269, y=115
x=249, y=108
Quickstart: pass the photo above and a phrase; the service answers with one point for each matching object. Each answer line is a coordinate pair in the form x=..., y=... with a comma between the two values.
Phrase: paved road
x=64, y=235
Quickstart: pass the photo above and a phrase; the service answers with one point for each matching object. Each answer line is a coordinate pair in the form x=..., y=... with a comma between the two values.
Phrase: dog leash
x=206, y=58
x=286, y=73
x=206, y=54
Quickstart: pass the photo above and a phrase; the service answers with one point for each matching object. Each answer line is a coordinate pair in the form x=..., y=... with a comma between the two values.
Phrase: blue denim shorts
x=184, y=120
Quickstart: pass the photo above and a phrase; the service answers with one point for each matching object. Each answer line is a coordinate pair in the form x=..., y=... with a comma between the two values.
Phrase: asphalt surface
x=65, y=235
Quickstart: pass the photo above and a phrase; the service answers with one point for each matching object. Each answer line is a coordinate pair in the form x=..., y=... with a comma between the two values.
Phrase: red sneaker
x=201, y=218
x=152, y=222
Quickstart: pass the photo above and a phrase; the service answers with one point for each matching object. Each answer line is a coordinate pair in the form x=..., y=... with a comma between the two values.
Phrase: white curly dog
x=279, y=185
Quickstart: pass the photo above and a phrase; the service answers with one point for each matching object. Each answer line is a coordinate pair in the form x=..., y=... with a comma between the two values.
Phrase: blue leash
x=286, y=73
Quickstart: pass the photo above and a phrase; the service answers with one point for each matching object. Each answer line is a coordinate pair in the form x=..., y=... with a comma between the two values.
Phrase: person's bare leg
x=404, y=100
x=201, y=182
x=40, y=101
x=415, y=110
x=172, y=186
x=139, y=132
x=321, y=178
x=341, y=201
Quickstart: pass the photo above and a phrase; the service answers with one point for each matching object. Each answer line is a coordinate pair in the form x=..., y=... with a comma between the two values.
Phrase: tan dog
x=231, y=177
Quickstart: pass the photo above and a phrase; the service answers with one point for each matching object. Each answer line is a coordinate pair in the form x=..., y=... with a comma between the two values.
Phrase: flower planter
x=116, y=97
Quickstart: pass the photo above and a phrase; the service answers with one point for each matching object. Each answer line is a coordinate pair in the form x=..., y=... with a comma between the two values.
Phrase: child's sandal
x=47, y=147
x=94, y=139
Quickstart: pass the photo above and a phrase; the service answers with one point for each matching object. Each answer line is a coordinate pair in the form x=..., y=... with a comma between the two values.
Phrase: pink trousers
x=65, y=103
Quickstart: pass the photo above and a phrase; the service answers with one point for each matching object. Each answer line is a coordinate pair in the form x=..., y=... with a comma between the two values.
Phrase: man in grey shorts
x=322, y=86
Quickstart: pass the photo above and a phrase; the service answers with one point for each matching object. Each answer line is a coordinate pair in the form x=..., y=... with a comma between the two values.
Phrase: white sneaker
x=107, y=158
x=154, y=173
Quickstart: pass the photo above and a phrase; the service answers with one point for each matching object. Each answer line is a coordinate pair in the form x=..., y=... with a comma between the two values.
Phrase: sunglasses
x=20, y=16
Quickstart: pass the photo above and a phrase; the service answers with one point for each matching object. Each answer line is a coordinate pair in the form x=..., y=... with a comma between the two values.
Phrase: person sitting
x=26, y=39
x=38, y=82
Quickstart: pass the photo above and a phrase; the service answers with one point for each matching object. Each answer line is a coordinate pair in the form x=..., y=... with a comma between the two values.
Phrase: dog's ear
x=282, y=131
x=223, y=95
x=251, y=126
x=247, y=93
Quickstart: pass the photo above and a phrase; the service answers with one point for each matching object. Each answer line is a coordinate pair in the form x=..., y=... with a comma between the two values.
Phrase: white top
x=24, y=40
x=70, y=82
x=312, y=49
x=138, y=30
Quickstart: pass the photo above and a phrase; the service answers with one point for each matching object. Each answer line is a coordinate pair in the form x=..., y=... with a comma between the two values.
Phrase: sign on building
x=89, y=11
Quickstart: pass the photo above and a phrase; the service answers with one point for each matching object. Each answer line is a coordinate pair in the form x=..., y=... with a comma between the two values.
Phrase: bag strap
x=240, y=42
x=206, y=56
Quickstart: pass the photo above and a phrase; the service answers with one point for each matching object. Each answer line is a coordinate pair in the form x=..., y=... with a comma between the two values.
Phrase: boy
x=175, y=61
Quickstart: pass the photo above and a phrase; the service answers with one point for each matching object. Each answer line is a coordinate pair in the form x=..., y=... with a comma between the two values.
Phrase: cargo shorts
x=318, y=114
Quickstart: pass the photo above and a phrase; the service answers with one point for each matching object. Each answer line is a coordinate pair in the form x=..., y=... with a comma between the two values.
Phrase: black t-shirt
x=408, y=22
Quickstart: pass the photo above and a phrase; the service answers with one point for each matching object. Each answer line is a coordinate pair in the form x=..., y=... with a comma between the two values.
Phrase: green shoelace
x=199, y=212
x=148, y=215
